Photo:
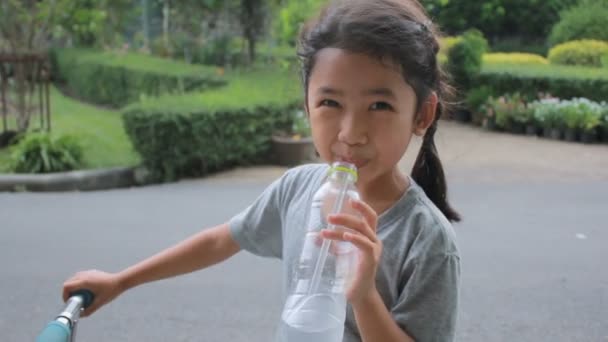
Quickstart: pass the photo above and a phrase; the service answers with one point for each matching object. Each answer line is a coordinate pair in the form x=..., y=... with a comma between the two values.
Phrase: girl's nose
x=353, y=129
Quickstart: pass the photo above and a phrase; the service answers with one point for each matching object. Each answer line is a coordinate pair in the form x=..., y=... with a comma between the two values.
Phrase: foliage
x=514, y=58
x=584, y=21
x=292, y=16
x=465, y=58
x=577, y=113
x=509, y=109
x=477, y=97
x=41, y=153
x=560, y=81
x=497, y=18
x=579, y=52
x=116, y=79
x=193, y=134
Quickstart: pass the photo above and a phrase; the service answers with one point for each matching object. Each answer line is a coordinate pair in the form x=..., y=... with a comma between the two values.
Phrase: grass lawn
x=261, y=85
x=100, y=131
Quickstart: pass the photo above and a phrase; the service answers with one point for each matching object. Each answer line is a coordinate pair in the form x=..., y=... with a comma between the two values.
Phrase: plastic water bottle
x=315, y=308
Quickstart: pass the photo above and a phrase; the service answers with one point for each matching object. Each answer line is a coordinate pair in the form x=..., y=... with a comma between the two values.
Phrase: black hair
x=401, y=31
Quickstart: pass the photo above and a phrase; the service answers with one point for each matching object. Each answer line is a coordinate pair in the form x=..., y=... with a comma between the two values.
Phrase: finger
x=369, y=214
x=334, y=235
x=69, y=287
x=355, y=223
x=333, y=249
x=360, y=242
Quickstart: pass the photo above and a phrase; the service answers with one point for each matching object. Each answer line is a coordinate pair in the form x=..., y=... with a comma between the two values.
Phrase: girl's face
x=362, y=111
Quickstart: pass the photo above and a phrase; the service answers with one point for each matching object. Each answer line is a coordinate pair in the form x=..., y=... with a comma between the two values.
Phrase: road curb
x=84, y=180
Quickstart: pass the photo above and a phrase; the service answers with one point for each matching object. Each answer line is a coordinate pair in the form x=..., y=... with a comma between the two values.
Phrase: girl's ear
x=426, y=115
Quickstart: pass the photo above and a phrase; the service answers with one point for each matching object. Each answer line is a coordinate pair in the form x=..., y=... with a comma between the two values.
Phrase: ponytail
x=428, y=173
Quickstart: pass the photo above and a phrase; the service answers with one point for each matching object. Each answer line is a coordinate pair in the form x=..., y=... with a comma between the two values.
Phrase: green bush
x=193, y=134
x=40, y=153
x=521, y=44
x=117, y=79
x=579, y=52
x=465, y=58
x=604, y=60
x=292, y=16
x=475, y=101
x=561, y=81
x=584, y=21
x=497, y=18
x=223, y=50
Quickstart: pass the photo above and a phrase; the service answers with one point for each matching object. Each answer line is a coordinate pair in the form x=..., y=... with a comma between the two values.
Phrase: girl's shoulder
x=420, y=227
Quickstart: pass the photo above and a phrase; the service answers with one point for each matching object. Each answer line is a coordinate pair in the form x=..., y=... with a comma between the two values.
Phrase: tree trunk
x=23, y=115
x=166, y=24
x=252, y=18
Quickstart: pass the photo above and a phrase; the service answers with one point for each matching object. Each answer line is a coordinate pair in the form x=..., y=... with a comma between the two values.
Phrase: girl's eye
x=329, y=103
x=381, y=106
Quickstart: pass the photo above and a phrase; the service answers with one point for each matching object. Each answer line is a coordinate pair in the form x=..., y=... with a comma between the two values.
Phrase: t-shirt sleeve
x=257, y=229
x=428, y=304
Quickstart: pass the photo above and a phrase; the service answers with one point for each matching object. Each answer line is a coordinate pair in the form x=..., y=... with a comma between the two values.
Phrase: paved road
x=533, y=246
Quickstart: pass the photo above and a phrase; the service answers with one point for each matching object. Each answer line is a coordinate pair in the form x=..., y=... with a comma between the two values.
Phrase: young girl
x=372, y=82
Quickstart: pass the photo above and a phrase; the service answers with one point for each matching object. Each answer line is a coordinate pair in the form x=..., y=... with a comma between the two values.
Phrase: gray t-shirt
x=419, y=274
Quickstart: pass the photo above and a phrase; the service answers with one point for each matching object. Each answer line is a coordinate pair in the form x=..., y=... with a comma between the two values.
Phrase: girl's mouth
x=359, y=163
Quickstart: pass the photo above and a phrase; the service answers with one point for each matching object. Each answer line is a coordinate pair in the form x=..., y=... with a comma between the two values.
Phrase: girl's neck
x=382, y=192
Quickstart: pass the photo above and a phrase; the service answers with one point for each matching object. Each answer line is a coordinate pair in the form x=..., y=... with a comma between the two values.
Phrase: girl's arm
x=375, y=322
x=204, y=249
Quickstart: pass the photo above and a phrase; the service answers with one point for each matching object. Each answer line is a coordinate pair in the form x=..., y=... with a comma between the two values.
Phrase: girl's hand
x=105, y=287
x=363, y=286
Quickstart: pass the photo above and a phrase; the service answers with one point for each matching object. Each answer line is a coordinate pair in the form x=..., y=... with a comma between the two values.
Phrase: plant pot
x=489, y=123
x=531, y=129
x=290, y=152
x=589, y=137
x=477, y=118
x=556, y=134
x=9, y=138
x=462, y=115
x=571, y=134
x=518, y=128
x=603, y=134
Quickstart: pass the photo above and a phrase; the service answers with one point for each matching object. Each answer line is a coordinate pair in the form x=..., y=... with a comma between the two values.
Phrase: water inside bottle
x=318, y=317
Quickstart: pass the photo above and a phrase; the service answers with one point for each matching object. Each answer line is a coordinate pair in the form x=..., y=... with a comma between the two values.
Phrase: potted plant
x=604, y=125
x=572, y=121
x=293, y=145
x=521, y=117
x=503, y=109
x=546, y=115
x=590, y=122
x=489, y=119
x=475, y=101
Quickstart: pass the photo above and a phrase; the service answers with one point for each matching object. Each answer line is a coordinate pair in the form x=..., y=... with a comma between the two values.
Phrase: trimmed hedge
x=586, y=52
x=513, y=58
x=561, y=81
x=117, y=79
x=194, y=134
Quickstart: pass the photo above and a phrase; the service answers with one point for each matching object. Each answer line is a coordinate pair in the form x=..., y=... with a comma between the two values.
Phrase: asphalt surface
x=533, y=247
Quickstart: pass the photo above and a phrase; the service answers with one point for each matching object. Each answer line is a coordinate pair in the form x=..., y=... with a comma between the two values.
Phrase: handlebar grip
x=54, y=332
x=87, y=297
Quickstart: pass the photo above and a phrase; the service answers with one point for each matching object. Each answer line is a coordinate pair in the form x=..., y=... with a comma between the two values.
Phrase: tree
x=25, y=26
x=253, y=14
